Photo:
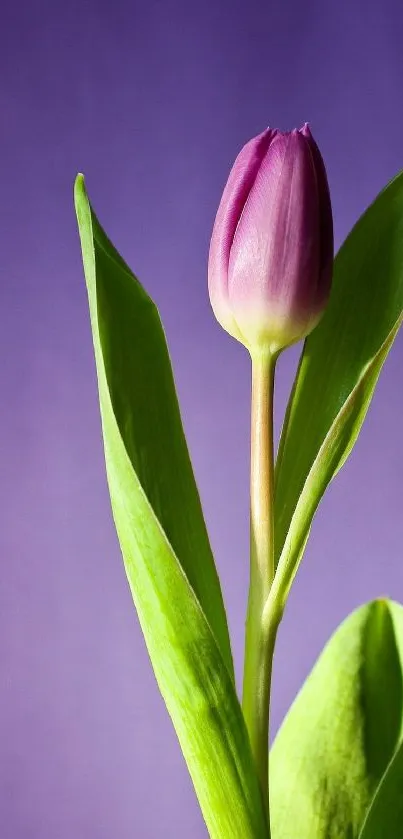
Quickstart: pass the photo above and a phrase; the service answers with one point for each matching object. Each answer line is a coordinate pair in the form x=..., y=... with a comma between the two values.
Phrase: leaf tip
x=381, y=603
x=80, y=191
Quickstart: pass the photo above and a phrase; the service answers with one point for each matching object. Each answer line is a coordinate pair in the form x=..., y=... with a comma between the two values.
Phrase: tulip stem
x=260, y=637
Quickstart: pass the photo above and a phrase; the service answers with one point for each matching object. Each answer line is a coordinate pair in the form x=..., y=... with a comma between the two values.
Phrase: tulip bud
x=271, y=251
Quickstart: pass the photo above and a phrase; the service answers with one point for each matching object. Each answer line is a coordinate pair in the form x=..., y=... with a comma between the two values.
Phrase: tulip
x=271, y=252
x=269, y=277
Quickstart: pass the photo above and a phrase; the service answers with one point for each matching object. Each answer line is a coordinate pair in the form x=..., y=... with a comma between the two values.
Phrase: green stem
x=260, y=636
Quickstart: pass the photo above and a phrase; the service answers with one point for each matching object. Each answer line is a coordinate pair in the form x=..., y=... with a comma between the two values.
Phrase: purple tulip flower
x=271, y=251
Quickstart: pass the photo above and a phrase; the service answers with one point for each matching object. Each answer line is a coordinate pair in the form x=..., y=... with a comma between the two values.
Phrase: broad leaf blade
x=163, y=540
x=342, y=730
x=365, y=307
x=140, y=382
x=385, y=816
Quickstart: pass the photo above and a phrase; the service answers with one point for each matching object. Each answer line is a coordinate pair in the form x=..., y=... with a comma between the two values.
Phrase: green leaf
x=338, y=371
x=142, y=392
x=385, y=816
x=163, y=538
x=341, y=731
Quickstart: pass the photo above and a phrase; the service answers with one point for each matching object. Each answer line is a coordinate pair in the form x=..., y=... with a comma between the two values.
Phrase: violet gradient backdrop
x=152, y=101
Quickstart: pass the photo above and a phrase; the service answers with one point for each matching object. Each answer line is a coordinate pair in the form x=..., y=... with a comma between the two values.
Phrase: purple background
x=152, y=101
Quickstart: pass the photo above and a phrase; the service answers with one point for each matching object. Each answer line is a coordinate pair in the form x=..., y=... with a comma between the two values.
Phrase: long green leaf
x=385, y=817
x=140, y=382
x=341, y=731
x=339, y=368
x=163, y=540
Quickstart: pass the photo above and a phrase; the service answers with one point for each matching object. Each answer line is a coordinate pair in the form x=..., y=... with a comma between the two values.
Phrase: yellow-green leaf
x=342, y=730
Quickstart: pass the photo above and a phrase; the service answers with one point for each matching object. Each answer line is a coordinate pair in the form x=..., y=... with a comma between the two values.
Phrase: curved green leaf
x=341, y=731
x=142, y=391
x=385, y=816
x=163, y=538
x=338, y=371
